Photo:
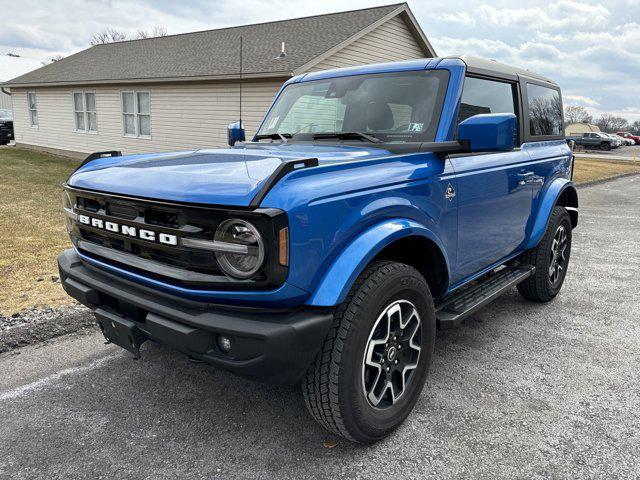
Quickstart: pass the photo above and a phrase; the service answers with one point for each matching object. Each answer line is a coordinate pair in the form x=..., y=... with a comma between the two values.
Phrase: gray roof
x=483, y=64
x=214, y=54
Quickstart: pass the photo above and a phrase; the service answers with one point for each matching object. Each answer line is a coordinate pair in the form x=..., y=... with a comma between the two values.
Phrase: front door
x=494, y=204
x=494, y=191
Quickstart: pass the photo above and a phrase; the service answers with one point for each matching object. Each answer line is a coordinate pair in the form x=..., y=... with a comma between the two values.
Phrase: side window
x=33, y=109
x=545, y=110
x=485, y=96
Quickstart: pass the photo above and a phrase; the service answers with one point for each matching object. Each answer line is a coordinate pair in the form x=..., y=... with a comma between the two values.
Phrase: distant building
x=580, y=128
x=181, y=91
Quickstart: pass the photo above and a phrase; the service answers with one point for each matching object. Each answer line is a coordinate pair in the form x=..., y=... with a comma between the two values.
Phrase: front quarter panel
x=342, y=273
x=331, y=206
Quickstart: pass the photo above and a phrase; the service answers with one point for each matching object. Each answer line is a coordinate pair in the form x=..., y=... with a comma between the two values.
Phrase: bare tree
x=109, y=35
x=57, y=58
x=576, y=114
x=635, y=126
x=610, y=123
x=155, y=32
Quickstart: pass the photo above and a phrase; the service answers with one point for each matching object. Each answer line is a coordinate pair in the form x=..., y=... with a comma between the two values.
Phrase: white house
x=181, y=91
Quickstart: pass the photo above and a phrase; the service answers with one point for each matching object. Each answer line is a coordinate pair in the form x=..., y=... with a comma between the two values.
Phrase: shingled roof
x=213, y=54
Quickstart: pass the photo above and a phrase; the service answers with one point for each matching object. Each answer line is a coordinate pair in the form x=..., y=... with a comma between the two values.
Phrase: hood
x=230, y=176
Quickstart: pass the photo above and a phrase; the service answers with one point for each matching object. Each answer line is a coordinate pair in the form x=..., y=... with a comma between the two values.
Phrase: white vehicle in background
x=617, y=141
x=627, y=142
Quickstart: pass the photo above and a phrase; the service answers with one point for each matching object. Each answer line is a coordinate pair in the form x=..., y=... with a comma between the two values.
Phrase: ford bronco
x=373, y=205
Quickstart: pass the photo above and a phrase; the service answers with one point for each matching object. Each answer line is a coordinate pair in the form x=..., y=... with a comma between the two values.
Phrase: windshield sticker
x=273, y=123
x=416, y=127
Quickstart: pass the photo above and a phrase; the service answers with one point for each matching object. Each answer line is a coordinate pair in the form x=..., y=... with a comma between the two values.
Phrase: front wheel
x=551, y=259
x=372, y=366
x=605, y=146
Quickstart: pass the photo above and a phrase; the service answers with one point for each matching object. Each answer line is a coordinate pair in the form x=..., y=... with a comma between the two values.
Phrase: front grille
x=176, y=220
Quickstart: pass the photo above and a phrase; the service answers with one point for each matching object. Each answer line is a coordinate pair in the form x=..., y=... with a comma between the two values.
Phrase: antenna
x=240, y=82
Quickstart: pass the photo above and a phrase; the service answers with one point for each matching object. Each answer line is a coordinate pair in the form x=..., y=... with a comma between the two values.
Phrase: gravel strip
x=39, y=324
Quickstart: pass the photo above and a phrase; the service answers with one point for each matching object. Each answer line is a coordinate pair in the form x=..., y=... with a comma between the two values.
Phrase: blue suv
x=374, y=205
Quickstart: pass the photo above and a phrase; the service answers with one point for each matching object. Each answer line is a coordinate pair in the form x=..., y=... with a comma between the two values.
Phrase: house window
x=84, y=107
x=33, y=109
x=136, y=114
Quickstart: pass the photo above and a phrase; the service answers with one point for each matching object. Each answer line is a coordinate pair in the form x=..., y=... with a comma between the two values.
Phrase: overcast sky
x=591, y=48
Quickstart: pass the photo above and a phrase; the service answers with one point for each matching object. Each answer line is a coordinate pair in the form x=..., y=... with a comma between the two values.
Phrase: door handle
x=523, y=177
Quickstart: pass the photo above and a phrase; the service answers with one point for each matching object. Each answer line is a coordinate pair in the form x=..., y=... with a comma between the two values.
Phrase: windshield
x=5, y=114
x=392, y=107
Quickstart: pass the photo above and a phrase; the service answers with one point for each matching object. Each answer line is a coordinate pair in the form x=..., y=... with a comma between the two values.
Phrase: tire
x=338, y=386
x=605, y=146
x=542, y=286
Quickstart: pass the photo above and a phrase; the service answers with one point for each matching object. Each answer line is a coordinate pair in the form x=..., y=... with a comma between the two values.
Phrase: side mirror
x=235, y=133
x=493, y=132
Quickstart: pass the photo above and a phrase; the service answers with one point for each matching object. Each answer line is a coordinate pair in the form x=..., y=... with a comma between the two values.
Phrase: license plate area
x=120, y=331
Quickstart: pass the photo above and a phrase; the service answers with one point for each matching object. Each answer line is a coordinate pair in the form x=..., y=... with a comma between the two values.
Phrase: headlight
x=239, y=249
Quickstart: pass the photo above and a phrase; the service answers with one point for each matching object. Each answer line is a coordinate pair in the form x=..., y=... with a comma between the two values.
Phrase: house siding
x=183, y=116
x=390, y=42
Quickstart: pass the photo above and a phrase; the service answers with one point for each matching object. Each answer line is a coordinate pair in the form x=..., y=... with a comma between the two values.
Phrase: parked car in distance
x=635, y=138
x=594, y=140
x=617, y=141
x=6, y=126
x=625, y=141
x=373, y=205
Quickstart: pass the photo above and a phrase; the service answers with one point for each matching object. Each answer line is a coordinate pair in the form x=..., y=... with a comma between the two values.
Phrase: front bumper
x=267, y=345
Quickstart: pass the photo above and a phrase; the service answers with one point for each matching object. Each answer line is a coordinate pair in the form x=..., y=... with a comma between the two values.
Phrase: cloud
x=579, y=100
x=459, y=18
x=590, y=47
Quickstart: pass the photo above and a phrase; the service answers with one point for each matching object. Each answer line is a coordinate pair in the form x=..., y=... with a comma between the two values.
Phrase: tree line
x=110, y=35
x=605, y=122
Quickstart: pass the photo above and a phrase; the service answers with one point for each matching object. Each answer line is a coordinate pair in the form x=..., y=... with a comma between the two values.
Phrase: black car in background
x=6, y=126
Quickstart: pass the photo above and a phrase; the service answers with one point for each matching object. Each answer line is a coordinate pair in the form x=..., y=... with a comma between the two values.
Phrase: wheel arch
x=561, y=192
x=397, y=240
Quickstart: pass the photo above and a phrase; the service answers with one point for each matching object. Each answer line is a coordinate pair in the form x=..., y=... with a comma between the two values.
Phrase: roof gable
x=214, y=54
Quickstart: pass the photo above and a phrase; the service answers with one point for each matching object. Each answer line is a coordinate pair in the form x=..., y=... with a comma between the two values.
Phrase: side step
x=461, y=304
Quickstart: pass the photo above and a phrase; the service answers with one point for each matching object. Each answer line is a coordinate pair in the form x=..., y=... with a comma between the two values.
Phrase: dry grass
x=32, y=228
x=590, y=169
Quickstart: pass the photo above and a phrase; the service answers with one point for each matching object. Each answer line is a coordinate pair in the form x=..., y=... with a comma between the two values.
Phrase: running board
x=462, y=304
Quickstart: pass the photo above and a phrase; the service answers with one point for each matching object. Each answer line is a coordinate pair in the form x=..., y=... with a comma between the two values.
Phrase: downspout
x=5, y=91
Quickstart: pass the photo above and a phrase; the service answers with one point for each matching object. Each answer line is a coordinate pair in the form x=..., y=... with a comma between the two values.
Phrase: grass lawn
x=32, y=226
x=589, y=170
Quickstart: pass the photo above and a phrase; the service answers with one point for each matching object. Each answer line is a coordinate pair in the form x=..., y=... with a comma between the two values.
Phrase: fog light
x=224, y=344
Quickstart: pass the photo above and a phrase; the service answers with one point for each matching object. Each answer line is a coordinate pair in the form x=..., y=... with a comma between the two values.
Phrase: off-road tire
x=333, y=384
x=539, y=287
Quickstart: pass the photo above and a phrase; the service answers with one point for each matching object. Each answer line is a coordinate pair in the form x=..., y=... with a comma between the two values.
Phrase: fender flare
x=550, y=200
x=345, y=268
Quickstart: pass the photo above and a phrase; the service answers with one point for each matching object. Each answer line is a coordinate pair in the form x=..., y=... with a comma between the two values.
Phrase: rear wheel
x=551, y=259
x=373, y=364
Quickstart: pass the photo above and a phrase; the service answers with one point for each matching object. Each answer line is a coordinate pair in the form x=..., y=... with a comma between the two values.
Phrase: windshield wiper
x=345, y=135
x=275, y=136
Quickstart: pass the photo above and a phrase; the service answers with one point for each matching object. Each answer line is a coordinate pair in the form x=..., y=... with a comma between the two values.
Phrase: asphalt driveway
x=519, y=391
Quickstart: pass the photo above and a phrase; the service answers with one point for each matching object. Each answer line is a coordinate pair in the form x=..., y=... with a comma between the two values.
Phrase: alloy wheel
x=558, y=261
x=392, y=354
